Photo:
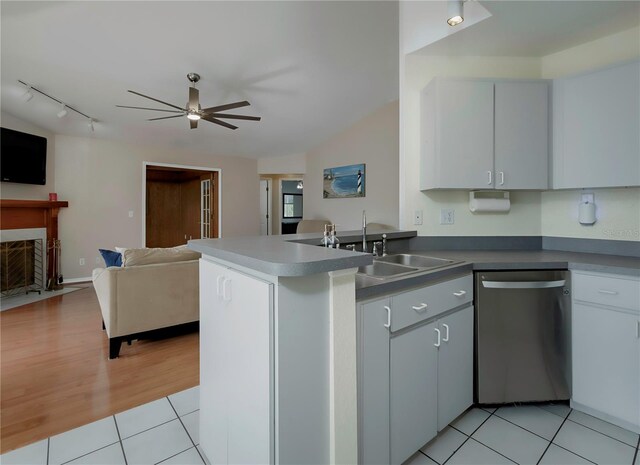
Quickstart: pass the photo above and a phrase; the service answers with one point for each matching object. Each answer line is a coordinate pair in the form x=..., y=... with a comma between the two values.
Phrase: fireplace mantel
x=25, y=214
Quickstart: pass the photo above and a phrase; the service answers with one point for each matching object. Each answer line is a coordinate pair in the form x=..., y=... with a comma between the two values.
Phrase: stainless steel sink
x=396, y=265
x=383, y=270
x=419, y=261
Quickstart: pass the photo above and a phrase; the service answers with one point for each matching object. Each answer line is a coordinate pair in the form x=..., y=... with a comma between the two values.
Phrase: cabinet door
x=455, y=366
x=521, y=135
x=236, y=393
x=413, y=393
x=606, y=361
x=464, y=134
x=373, y=382
x=595, y=137
x=213, y=364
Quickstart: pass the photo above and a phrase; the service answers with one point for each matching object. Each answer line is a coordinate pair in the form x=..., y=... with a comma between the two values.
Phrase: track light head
x=28, y=95
x=455, y=12
x=91, y=124
x=63, y=112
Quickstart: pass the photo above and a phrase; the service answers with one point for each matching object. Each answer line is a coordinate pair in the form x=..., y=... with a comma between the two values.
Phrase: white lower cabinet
x=235, y=366
x=606, y=347
x=415, y=368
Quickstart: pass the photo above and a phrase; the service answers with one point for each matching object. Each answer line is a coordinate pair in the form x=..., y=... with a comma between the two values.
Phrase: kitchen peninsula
x=279, y=342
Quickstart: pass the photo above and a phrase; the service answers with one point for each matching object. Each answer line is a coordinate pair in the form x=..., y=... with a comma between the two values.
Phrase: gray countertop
x=500, y=260
x=292, y=254
x=298, y=255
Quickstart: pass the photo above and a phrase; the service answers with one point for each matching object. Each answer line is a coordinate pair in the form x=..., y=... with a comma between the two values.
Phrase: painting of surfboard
x=343, y=181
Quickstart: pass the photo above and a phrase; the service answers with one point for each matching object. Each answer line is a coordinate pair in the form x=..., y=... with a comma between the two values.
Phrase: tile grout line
x=635, y=456
x=483, y=444
x=168, y=458
x=89, y=453
x=554, y=436
x=528, y=431
x=186, y=430
x=604, y=434
x=120, y=440
x=469, y=437
x=499, y=453
x=574, y=453
x=149, y=429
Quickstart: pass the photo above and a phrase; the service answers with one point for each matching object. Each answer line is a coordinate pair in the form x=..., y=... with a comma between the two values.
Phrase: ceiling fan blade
x=230, y=116
x=145, y=108
x=194, y=98
x=193, y=123
x=228, y=106
x=156, y=100
x=165, y=117
x=211, y=119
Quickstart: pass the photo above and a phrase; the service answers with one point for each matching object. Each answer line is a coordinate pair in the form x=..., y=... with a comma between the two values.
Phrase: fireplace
x=21, y=267
x=20, y=217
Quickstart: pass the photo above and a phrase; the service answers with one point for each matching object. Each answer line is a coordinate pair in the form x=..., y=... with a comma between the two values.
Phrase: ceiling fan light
x=455, y=12
x=63, y=112
x=193, y=116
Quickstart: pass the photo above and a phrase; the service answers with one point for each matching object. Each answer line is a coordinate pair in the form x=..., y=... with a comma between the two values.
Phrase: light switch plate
x=417, y=217
x=447, y=216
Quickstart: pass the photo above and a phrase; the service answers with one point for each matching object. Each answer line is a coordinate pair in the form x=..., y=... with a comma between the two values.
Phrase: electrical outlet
x=130, y=213
x=417, y=217
x=447, y=216
x=82, y=262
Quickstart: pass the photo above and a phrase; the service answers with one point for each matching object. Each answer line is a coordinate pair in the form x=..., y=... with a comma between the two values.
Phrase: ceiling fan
x=193, y=110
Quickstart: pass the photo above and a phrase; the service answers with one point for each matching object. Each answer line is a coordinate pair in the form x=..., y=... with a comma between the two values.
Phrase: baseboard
x=605, y=417
x=88, y=279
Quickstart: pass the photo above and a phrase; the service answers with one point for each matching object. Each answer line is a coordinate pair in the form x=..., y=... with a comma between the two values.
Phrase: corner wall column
x=343, y=401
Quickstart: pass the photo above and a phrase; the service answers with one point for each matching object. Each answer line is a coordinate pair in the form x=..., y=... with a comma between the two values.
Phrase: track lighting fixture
x=28, y=95
x=455, y=12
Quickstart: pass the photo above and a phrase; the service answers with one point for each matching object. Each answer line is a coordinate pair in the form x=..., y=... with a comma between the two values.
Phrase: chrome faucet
x=364, y=231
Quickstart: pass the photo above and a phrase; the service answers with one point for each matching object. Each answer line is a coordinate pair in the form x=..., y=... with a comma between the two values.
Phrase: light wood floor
x=55, y=375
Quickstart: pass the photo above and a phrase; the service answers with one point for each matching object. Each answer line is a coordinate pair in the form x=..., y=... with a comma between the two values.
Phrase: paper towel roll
x=587, y=213
x=489, y=205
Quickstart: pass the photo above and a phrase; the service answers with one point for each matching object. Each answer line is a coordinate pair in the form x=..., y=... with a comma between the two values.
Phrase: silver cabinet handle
x=437, y=344
x=523, y=284
x=446, y=327
x=490, y=175
x=226, y=290
x=459, y=293
x=419, y=308
x=608, y=292
x=502, y=178
x=388, y=323
x=219, y=282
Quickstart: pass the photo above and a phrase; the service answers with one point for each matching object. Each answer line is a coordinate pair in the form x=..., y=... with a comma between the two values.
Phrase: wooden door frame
x=217, y=191
x=270, y=231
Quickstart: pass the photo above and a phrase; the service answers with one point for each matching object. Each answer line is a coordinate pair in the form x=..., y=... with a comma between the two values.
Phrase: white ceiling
x=537, y=28
x=309, y=69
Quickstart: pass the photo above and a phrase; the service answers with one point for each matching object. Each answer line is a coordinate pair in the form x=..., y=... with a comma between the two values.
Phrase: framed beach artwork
x=343, y=182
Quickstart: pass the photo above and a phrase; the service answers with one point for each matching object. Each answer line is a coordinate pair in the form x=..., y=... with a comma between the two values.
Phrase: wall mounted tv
x=23, y=157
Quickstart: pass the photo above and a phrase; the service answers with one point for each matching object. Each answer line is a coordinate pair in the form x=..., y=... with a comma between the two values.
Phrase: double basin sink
x=397, y=265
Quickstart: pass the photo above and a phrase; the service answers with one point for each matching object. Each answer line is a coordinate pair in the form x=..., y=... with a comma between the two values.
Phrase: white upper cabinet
x=481, y=134
x=521, y=135
x=596, y=128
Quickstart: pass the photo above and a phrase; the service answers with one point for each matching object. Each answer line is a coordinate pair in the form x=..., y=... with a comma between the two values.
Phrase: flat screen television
x=23, y=157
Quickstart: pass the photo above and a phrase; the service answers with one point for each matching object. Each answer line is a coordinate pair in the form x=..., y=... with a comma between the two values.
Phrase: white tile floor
x=528, y=434
x=166, y=432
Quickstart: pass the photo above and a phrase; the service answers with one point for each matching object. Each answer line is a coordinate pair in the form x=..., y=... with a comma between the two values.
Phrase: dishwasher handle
x=523, y=284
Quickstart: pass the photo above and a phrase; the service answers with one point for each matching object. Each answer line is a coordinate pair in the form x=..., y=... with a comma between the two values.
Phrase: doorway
x=180, y=203
x=290, y=205
x=266, y=204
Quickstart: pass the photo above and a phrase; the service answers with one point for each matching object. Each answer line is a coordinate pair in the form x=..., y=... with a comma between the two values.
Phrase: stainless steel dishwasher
x=523, y=321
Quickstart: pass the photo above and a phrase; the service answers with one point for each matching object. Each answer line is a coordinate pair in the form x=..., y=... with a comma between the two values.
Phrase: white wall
x=288, y=164
x=102, y=180
x=618, y=210
x=524, y=217
x=12, y=190
x=373, y=141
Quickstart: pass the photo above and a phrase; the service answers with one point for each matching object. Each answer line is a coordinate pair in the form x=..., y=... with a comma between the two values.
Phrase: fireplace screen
x=21, y=267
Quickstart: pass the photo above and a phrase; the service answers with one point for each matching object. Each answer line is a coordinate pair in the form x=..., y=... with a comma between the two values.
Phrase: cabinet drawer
x=621, y=291
x=421, y=304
